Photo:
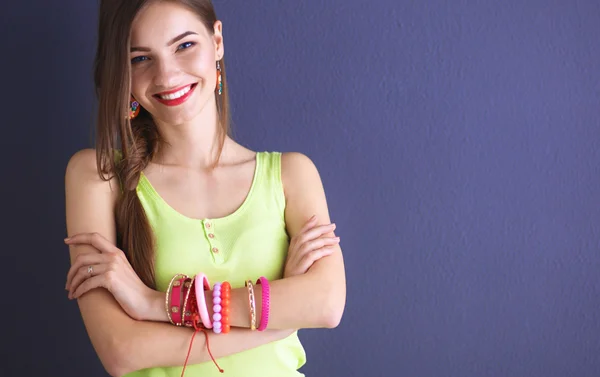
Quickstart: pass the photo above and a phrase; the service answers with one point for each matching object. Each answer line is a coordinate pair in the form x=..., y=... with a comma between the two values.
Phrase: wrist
x=155, y=310
x=237, y=317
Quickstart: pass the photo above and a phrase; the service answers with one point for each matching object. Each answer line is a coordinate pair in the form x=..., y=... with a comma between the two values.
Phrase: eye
x=138, y=59
x=185, y=45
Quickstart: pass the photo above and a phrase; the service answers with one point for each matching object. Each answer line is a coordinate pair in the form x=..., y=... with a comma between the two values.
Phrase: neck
x=191, y=144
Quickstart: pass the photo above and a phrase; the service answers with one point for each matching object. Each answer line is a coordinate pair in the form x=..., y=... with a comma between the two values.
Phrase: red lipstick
x=176, y=101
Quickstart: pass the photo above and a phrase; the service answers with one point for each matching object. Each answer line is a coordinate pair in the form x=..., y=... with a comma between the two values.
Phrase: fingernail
x=67, y=239
x=332, y=226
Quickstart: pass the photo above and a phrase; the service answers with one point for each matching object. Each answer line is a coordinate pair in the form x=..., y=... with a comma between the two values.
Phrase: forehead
x=163, y=20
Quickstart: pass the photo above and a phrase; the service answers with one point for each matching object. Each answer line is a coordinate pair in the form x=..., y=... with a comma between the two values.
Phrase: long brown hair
x=137, y=139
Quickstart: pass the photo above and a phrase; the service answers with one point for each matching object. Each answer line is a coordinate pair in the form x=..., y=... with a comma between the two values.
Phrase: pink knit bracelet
x=265, y=305
x=201, y=285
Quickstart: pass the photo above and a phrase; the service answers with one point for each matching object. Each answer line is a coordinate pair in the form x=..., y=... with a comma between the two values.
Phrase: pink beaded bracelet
x=217, y=326
x=265, y=305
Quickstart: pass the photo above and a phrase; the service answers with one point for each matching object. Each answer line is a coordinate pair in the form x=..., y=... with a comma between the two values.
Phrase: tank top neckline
x=144, y=182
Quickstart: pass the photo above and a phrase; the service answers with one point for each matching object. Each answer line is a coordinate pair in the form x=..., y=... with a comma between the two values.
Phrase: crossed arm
x=315, y=299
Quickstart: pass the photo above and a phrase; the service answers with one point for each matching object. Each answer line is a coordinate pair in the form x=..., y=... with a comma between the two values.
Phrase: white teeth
x=176, y=94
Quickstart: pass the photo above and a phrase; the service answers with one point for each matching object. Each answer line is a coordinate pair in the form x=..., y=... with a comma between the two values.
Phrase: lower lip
x=177, y=101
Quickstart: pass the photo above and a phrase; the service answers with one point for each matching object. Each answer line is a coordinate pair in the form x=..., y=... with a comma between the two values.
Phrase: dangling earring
x=134, y=108
x=219, y=79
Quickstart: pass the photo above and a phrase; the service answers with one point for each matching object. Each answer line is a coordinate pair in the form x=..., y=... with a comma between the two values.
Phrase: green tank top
x=247, y=244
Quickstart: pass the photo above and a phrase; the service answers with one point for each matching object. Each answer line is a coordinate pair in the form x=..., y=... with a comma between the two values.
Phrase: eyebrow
x=177, y=38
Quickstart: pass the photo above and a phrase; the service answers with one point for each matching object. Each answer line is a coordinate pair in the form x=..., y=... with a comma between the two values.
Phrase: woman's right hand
x=308, y=246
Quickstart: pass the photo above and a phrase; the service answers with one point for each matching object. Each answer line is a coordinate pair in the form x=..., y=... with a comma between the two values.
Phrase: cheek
x=137, y=83
x=140, y=82
x=201, y=64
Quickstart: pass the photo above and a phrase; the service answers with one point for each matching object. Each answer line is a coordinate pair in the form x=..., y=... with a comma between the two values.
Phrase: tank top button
x=215, y=250
x=208, y=225
x=211, y=235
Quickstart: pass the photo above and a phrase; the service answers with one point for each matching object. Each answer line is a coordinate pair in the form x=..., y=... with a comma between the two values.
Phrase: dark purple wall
x=458, y=142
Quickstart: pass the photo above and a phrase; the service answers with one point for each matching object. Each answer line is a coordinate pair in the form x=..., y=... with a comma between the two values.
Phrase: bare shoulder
x=297, y=170
x=82, y=171
x=82, y=162
x=295, y=158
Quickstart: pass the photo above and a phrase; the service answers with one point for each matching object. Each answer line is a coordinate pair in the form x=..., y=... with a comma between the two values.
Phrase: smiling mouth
x=177, y=96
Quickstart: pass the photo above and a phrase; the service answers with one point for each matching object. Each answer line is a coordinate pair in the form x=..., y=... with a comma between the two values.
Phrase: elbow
x=114, y=371
x=333, y=318
x=116, y=362
x=112, y=365
x=327, y=304
x=334, y=310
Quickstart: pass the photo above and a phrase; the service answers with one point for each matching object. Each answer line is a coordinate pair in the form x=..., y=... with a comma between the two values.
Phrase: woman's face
x=173, y=62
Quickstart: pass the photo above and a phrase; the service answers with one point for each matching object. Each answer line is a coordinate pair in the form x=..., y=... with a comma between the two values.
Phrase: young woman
x=168, y=192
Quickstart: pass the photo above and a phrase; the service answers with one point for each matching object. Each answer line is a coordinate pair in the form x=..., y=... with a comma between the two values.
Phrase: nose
x=166, y=74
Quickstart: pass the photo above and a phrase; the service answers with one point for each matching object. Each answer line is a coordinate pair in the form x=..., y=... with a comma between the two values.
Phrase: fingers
x=83, y=275
x=88, y=284
x=315, y=233
x=319, y=243
x=308, y=224
x=303, y=258
x=309, y=246
x=311, y=257
x=84, y=260
x=94, y=239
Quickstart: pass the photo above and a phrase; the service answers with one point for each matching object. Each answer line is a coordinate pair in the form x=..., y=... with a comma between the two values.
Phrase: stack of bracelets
x=186, y=305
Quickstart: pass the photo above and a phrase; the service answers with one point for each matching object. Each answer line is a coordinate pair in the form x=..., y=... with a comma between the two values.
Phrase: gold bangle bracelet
x=189, y=284
x=252, y=304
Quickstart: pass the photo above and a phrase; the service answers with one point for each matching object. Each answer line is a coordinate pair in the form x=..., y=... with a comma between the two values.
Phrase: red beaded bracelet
x=225, y=307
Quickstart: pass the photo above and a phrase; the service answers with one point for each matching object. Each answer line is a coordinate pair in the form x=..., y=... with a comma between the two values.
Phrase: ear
x=218, y=40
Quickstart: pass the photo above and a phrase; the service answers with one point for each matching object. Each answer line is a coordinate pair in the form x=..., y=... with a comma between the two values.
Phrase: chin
x=177, y=115
x=179, y=118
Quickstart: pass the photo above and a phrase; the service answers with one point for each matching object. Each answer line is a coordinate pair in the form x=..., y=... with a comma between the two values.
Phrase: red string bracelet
x=196, y=321
x=190, y=313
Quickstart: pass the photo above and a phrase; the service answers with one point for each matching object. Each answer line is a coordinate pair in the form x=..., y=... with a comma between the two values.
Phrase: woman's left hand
x=110, y=269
